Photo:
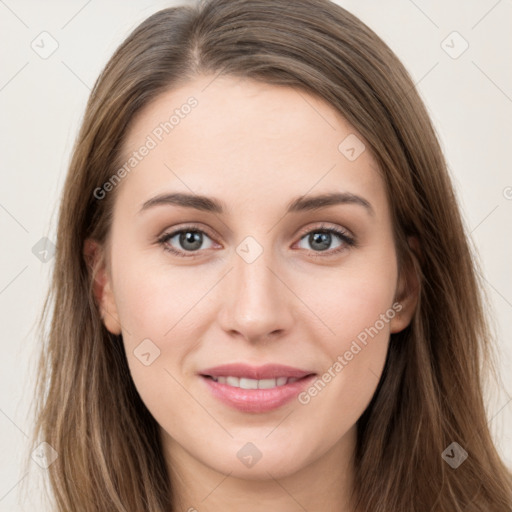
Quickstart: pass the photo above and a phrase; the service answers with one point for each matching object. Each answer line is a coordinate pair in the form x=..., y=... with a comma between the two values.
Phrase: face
x=300, y=293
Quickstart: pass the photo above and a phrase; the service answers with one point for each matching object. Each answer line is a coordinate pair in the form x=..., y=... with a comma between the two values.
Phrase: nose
x=257, y=301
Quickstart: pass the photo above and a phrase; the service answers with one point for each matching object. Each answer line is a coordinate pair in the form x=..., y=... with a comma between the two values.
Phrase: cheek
x=153, y=300
x=357, y=307
x=157, y=307
x=351, y=301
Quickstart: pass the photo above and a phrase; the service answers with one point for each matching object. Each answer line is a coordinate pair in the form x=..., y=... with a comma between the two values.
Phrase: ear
x=408, y=288
x=102, y=285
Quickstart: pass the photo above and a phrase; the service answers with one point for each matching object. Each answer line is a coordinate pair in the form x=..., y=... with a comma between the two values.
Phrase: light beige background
x=42, y=101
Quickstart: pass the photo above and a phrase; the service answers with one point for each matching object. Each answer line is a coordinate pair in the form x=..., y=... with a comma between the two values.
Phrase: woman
x=322, y=344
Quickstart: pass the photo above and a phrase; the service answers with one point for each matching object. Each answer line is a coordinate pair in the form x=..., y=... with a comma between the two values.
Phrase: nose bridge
x=257, y=305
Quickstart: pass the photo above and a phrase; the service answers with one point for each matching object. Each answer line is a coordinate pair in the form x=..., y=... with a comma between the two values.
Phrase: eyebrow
x=299, y=204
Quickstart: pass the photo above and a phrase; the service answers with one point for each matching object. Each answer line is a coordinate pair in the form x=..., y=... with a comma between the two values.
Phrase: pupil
x=323, y=239
x=192, y=237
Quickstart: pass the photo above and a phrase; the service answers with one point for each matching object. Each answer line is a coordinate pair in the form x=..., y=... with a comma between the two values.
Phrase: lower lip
x=257, y=400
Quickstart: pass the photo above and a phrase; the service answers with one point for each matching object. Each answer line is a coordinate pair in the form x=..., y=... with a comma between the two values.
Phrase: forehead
x=242, y=139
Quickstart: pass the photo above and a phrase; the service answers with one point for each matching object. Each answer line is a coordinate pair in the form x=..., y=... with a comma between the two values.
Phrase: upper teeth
x=244, y=383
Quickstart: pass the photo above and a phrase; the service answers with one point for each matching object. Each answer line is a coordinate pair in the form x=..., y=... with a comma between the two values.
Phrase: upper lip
x=267, y=371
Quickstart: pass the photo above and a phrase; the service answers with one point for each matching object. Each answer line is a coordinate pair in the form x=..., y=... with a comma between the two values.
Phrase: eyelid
x=326, y=226
x=190, y=227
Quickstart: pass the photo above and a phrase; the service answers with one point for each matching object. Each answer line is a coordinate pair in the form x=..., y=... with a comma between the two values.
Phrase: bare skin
x=254, y=147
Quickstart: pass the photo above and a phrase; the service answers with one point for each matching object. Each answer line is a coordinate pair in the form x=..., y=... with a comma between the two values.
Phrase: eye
x=321, y=238
x=189, y=239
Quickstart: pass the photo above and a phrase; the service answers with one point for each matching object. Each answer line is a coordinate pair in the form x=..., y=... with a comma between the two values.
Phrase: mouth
x=245, y=383
x=255, y=389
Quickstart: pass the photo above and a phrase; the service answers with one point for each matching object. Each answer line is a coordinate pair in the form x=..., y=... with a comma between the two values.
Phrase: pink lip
x=267, y=371
x=256, y=400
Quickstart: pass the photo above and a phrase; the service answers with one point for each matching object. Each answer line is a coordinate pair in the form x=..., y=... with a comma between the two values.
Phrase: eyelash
x=347, y=240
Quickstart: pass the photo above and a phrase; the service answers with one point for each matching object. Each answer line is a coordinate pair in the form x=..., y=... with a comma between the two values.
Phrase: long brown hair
x=430, y=393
